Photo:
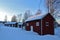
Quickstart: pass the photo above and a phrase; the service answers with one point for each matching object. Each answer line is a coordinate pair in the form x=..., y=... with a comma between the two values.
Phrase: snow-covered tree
x=5, y=18
x=19, y=17
x=23, y=20
x=53, y=5
x=38, y=12
x=14, y=19
x=27, y=14
x=57, y=14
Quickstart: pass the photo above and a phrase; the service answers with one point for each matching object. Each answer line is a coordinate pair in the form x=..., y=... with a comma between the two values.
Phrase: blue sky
x=12, y=7
x=18, y=6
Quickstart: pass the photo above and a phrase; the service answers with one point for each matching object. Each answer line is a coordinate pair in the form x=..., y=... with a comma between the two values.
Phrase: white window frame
x=37, y=23
x=27, y=24
x=47, y=23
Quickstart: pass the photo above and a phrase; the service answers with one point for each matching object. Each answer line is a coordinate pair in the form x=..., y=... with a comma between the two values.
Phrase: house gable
x=48, y=24
x=48, y=16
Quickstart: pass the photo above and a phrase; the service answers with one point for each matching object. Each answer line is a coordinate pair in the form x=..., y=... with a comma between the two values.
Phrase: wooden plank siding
x=48, y=29
x=42, y=29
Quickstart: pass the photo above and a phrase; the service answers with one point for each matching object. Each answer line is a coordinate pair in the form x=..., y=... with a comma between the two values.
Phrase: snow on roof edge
x=10, y=23
x=36, y=17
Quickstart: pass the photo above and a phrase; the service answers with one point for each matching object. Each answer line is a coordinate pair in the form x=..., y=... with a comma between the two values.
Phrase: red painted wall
x=35, y=28
x=48, y=29
x=45, y=29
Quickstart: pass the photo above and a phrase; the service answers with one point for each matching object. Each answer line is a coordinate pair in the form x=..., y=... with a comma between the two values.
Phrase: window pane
x=27, y=24
x=37, y=23
x=47, y=23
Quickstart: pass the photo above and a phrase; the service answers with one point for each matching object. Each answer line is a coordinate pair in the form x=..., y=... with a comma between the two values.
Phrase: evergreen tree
x=14, y=19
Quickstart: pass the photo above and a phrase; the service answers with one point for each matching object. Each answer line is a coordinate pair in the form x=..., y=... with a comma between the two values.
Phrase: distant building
x=42, y=24
x=56, y=24
x=20, y=24
x=11, y=24
x=2, y=22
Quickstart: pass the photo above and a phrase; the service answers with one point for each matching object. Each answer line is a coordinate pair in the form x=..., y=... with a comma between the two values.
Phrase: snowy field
x=11, y=33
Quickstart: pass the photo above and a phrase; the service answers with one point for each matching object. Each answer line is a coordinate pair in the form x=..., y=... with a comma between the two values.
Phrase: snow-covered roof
x=20, y=23
x=1, y=21
x=10, y=23
x=35, y=17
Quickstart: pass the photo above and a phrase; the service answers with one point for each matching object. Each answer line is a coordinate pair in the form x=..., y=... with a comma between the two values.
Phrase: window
x=37, y=23
x=27, y=24
x=47, y=23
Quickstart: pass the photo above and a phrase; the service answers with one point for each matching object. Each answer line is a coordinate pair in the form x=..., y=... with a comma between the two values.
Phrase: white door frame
x=31, y=28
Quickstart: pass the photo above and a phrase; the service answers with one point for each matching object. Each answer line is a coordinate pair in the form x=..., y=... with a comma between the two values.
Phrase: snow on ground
x=10, y=33
x=57, y=31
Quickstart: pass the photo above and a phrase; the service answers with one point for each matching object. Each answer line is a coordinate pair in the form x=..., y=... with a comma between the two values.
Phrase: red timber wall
x=33, y=24
x=48, y=29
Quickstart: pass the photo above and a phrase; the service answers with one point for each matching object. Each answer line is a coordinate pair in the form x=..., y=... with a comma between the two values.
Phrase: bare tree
x=53, y=5
x=14, y=19
x=57, y=14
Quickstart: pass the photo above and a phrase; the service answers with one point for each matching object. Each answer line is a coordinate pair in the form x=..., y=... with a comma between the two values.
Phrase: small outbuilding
x=42, y=24
x=20, y=24
x=11, y=24
x=2, y=22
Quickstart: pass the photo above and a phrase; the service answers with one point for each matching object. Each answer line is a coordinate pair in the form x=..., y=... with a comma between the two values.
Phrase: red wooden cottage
x=42, y=24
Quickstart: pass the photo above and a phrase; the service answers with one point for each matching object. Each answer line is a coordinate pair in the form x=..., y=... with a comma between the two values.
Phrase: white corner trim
x=41, y=26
